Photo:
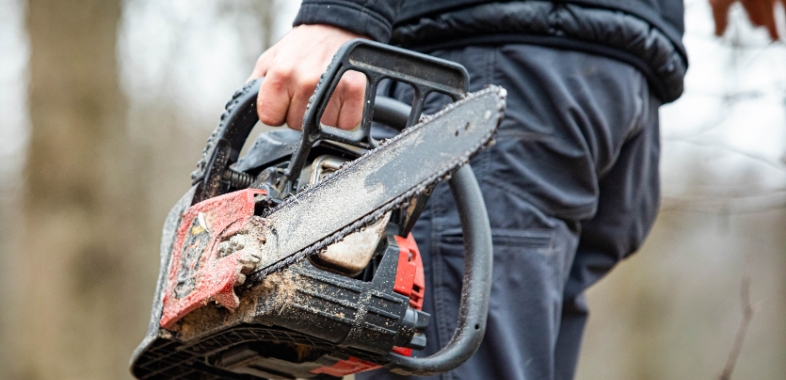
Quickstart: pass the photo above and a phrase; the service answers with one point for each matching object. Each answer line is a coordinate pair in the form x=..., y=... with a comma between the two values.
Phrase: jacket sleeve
x=372, y=18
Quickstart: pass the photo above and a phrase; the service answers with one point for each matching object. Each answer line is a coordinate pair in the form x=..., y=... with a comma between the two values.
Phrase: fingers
x=332, y=110
x=274, y=97
x=292, y=68
x=262, y=65
x=303, y=86
x=284, y=95
x=274, y=94
x=352, y=90
x=345, y=108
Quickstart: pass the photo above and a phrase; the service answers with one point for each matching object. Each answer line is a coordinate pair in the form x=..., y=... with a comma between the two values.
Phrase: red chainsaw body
x=411, y=282
x=197, y=273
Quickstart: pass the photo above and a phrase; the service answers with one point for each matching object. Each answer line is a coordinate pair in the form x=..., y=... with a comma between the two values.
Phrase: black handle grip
x=376, y=61
x=226, y=142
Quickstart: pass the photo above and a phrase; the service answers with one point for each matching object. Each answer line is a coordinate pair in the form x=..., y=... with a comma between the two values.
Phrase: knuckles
x=280, y=77
x=306, y=83
x=286, y=83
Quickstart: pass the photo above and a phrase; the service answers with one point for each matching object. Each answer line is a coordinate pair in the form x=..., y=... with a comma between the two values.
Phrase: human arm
x=293, y=65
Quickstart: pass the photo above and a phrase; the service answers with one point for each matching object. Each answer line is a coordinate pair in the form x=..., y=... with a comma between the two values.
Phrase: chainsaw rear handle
x=224, y=145
x=478, y=266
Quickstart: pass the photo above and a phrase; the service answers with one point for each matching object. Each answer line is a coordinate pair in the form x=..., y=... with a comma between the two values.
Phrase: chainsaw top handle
x=376, y=61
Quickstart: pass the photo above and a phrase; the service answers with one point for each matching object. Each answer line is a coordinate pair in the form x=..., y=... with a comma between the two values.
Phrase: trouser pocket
x=527, y=284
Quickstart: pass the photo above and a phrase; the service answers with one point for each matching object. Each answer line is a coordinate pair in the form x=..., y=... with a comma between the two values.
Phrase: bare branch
x=747, y=317
x=763, y=160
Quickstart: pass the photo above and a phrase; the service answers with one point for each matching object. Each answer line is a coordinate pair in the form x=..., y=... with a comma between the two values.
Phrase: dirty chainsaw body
x=295, y=261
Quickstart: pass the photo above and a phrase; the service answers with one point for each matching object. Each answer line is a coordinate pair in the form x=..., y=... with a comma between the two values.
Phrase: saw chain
x=485, y=106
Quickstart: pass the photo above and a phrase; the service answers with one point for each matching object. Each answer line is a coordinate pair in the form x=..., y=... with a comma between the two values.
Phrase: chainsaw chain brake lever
x=376, y=61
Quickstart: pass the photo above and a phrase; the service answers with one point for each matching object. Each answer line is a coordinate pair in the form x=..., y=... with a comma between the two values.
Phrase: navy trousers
x=571, y=188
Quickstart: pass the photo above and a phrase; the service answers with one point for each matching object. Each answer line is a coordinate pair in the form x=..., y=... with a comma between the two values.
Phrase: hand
x=292, y=68
x=760, y=12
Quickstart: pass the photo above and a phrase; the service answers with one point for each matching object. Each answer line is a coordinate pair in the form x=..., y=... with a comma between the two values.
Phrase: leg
x=568, y=115
x=627, y=207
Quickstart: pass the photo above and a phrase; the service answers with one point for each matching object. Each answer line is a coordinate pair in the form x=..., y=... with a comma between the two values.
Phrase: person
x=571, y=185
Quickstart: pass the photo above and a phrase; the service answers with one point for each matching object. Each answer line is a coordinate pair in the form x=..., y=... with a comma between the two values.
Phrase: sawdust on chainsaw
x=263, y=299
x=256, y=224
x=278, y=290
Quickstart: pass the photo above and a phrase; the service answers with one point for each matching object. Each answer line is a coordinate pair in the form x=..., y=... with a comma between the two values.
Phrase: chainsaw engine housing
x=315, y=319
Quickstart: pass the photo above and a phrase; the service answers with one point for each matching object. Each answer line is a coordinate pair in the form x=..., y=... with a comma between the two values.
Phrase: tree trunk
x=81, y=304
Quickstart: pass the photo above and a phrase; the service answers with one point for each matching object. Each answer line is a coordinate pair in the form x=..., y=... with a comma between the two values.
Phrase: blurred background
x=105, y=106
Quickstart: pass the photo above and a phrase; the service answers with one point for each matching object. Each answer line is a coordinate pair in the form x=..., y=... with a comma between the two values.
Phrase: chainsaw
x=296, y=259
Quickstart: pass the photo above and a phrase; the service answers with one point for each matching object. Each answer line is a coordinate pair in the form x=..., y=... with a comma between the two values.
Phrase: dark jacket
x=644, y=33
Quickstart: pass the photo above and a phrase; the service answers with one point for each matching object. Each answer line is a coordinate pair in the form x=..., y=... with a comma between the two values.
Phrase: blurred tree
x=79, y=300
x=101, y=173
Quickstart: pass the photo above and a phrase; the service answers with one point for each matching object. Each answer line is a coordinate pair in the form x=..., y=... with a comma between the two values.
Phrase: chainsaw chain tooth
x=399, y=201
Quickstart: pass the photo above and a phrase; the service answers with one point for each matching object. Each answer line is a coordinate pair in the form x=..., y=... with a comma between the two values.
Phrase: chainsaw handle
x=377, y=61
x=475, y=287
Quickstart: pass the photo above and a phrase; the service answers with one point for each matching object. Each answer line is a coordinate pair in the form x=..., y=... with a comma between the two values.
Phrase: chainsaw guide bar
x=380, y=181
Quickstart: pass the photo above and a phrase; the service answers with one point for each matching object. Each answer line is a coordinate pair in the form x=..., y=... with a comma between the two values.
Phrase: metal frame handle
x=376, y=61
x=426, y=74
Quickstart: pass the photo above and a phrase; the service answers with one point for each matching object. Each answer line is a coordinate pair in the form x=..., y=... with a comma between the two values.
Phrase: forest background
x=105, y=106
